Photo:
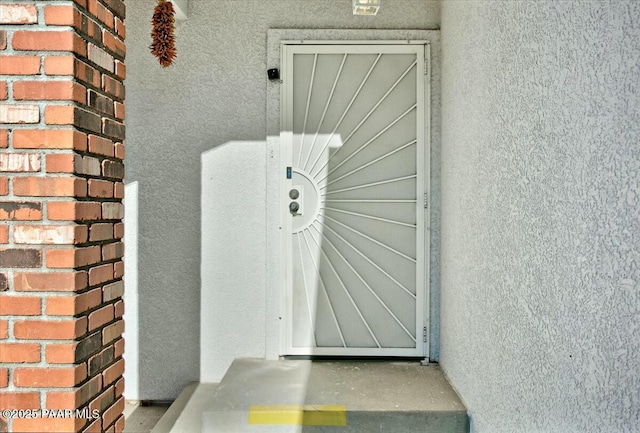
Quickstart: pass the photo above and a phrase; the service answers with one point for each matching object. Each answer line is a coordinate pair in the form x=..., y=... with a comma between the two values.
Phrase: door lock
x=296, y=194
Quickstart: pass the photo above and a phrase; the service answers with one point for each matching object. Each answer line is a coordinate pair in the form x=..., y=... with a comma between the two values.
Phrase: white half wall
x=131, y=333
x=540, y=306
x=233, y=296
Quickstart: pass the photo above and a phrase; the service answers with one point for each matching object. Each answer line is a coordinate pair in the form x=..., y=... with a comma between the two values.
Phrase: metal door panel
x=353, y=136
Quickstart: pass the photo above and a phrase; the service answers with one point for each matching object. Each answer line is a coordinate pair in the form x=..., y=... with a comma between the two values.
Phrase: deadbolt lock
x=294, y=194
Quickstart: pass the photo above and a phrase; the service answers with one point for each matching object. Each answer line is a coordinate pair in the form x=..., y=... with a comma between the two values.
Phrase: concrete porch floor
x=306, y=396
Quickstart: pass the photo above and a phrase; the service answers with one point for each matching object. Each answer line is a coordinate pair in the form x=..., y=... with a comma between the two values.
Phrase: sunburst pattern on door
x=353, y=119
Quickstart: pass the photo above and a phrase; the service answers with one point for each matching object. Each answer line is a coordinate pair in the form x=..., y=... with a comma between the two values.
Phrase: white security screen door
x=353, y=198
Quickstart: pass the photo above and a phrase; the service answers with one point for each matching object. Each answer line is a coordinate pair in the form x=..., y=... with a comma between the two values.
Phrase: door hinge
x=424, y=334
x=426, y=66
x=426, y=200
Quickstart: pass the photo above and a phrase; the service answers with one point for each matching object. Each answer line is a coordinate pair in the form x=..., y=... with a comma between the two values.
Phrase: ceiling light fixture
x=366, y=7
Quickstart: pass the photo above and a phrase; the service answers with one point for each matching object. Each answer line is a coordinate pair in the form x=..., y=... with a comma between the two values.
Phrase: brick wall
x=61, y=170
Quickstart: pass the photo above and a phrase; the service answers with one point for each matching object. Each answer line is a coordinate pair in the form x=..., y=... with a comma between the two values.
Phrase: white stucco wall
x=215, y=93
x=540, y=318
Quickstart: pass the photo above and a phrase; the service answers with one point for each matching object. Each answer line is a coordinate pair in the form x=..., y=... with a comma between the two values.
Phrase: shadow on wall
x=233, y=258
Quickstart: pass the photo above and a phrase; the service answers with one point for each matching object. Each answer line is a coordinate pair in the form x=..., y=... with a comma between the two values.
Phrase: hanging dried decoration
x=163, y=41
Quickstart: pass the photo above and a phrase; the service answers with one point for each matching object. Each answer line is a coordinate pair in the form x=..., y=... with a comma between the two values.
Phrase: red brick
x=50, y=90
x=20, y=258
x=119, y=110
x=94, y=427
x=118, y=230
x=101, y=146
x=49, y=41
x=4, y=138
x=18, y=14
x=112, y=332
x=102, y=13
x=50, y=377
x=121, y=29
x=113, y=291
x=88, y=74
x=112, y=251
x=20, y=211
x=88, y=165
x=101, y=231
x=49, y=139
x=74, y=211
x=73, y=305
x=19, y=352
x=19, y=305
x=19, y=400
x=119, y=426
x=4, y=239
x=118, y=270
x=112, y=373
x=4, y=93
x=100, y=317
x=19, y=162
x=100, y=188
x=59, y=65
x=4, y=186
x=71, y=115
x=100, y=274
x=103, y=401
x=118, y=348
x=121, y=70
x=50, y=281
x=63, y=306
x=113, y=44
x=113, y=413
x=118, y=190
x=50, y=187
x=50, y=235
x=4, y=377
x=57, y=400
x=112, y=211
x=113, y=87
x=61, y=162
x=19, y=65
x=61, y=353
x=61, y=15
x=119, y=151
x=72, y=257
x=117, y=6
x=3, y=39
x=14, y=113
x=50, y=330
x=118, y=309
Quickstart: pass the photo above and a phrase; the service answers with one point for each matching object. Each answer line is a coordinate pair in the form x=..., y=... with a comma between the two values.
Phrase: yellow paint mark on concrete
x=282, y=414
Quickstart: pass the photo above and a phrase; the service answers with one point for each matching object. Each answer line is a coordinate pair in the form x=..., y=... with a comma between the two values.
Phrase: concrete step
x=333, y=396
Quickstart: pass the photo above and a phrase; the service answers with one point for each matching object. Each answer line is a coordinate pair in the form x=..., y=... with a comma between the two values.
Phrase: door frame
x=423, y=217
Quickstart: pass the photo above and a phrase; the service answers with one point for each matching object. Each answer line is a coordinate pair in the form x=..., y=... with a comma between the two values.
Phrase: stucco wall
x=540, y=279
x=214, y=94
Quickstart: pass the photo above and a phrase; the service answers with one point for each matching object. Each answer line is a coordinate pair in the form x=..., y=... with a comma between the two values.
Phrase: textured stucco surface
x=215, y=93
x=540, y=275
